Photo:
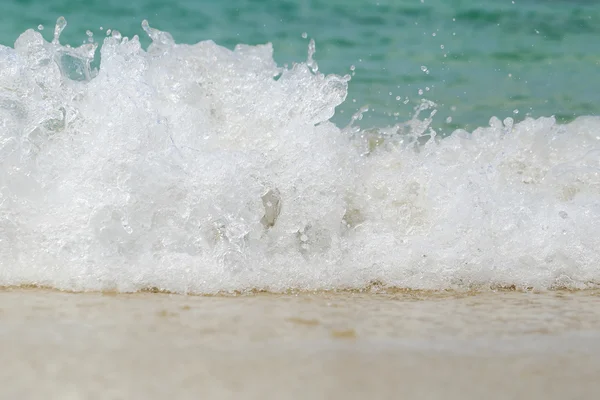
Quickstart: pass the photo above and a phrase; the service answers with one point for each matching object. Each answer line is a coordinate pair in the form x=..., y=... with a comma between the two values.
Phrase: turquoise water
x=483, y=58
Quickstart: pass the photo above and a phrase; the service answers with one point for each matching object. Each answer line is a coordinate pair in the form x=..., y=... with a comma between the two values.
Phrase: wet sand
x=503, y=345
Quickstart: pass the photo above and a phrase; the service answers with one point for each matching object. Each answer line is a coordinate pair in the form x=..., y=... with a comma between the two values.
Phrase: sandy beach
x=422, y=345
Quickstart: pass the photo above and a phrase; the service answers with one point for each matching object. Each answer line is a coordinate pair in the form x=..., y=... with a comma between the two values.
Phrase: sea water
x=433, y=146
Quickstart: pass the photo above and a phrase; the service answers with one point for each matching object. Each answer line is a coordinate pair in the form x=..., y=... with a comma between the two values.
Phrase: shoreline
x=375, y=289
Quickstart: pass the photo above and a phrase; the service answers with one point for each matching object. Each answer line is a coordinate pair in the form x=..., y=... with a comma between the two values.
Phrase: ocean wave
x=199, y=169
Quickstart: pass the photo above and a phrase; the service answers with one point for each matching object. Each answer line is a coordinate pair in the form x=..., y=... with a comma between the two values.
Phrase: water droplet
x=304, y=35
x=448, y=120
x=515, y=111
x=312, y=64
x=397, y=97
x=158, y=37
x=442, y=46
x=40, y=27
x=352, y=68
x=61, y=23
x=420, y=91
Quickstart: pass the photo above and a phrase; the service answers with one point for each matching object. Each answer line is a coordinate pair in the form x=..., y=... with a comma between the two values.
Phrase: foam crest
x=195, y=168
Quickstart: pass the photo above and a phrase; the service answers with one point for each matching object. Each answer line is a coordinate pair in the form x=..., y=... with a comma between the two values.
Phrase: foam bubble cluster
x=198, y=169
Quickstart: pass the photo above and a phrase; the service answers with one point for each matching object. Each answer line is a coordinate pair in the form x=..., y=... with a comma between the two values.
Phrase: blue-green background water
x=482, y=58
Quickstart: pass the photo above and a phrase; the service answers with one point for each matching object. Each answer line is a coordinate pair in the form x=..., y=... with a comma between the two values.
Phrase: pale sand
x=505, y=345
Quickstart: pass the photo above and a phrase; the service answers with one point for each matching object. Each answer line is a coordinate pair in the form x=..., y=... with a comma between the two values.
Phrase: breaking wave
x=198, y=169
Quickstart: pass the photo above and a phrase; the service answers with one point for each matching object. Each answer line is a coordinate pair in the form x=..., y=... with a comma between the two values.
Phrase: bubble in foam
x=196, y=168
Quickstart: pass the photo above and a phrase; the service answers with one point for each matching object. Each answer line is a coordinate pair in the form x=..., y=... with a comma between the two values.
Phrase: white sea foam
x=201, y=169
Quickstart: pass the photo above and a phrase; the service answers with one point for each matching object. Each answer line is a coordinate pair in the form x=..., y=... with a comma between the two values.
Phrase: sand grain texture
x=427, y=346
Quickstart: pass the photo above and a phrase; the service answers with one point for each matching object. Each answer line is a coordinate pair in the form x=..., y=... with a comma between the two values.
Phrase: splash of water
x=195, y=168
